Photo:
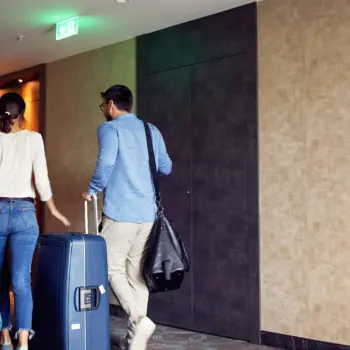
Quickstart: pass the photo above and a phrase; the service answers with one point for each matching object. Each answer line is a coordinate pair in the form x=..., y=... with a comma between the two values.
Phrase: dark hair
x=12, y=106
x=120, y=95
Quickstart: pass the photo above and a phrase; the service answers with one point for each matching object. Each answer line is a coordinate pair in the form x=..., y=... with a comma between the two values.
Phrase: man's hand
x=86, y=196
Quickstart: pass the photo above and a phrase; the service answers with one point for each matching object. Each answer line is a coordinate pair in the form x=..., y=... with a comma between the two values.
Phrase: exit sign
x=67, y=28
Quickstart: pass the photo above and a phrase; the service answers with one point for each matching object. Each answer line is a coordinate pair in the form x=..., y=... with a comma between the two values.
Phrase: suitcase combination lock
x=89, y=298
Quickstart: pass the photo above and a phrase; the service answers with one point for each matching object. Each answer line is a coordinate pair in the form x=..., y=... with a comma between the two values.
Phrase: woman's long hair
x=12, y=107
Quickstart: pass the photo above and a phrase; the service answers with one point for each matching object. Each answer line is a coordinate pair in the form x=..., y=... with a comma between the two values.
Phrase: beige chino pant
x=125, y=245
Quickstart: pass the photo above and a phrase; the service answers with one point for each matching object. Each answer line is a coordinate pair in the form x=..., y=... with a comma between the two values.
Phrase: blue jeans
x=20, y=231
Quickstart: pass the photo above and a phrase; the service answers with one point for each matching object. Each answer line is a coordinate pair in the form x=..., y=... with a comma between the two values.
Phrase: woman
x=22, y=155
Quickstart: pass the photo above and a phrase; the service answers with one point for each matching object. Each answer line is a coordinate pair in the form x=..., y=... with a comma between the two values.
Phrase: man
x=122, y=173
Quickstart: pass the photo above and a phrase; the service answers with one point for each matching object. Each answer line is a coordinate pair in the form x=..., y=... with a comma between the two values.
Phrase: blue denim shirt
x=122, y=170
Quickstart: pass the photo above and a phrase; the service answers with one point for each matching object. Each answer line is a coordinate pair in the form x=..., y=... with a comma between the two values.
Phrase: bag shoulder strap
x=152, y=162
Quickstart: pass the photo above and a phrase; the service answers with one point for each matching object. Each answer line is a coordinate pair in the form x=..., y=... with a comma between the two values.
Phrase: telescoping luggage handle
x=87, y=301
x=86, y=215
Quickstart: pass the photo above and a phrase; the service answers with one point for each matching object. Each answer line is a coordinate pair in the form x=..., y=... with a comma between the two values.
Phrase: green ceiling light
x=67, y=28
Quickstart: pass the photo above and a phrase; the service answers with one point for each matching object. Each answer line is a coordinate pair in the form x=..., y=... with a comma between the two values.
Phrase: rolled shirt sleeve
x=164, y=162
x=108, y=151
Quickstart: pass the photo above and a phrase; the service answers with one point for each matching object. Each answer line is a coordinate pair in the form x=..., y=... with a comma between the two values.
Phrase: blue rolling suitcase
x=71, y=303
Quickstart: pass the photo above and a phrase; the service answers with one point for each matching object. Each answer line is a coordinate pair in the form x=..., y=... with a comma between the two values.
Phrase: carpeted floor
x=174, y=339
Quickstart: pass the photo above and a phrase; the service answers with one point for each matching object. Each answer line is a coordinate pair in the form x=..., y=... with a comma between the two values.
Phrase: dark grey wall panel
x=220, y=233
x=216, y=36
x=225, y=34
x=198, y=83
x=169, y=48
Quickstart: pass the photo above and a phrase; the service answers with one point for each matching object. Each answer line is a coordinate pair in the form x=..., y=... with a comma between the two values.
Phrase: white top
x=22, y=154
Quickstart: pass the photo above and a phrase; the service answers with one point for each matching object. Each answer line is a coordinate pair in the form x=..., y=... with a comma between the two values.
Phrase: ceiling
x=101, y=23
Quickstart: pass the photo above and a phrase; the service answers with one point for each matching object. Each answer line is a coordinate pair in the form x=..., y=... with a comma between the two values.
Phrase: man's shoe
x=143, y=331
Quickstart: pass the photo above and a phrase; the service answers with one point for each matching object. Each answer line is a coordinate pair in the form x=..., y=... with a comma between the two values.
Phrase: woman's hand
x=56, y=214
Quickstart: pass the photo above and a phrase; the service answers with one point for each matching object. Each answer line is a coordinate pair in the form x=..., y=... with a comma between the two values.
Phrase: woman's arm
x=41, y=176
x=42, y=181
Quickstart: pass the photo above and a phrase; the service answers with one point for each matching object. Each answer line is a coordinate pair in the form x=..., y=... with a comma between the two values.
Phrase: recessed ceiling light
x=20, y=81
x=122, y=1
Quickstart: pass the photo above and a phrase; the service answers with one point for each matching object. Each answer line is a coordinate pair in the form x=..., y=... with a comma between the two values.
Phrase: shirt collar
x=127, y=116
